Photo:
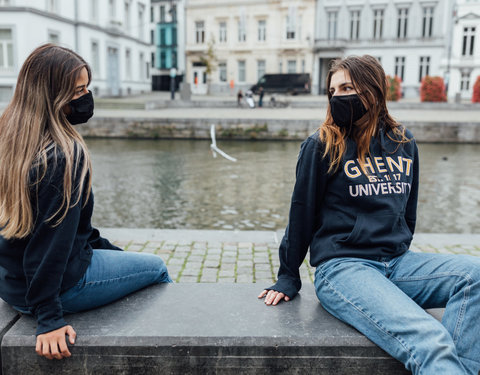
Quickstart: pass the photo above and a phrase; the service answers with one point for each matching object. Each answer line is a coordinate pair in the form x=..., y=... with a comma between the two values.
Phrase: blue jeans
x=385, y=299
x=112, y=275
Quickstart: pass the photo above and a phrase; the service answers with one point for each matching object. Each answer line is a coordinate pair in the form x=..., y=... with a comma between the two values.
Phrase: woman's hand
x=53, y=344
x=273, y=297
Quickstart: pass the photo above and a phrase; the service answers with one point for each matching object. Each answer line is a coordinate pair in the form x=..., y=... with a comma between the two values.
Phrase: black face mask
x=81, y=109
x=346, y=109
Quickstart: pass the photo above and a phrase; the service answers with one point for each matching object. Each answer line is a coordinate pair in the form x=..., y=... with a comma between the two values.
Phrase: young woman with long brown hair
x=354, y=204
x=52, y=261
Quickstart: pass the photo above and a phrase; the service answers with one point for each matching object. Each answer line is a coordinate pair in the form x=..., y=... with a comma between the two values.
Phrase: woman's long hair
x=368, y=79
x=33, y=123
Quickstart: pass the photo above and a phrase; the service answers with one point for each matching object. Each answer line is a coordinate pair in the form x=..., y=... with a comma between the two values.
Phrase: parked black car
x=290, y=83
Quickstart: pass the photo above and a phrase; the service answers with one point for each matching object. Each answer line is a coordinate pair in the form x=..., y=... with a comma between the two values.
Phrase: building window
x=174, y=35
x=280, y=67
x=95, y=57
x=303, y=66
x=402, y=23
x=152, y=15
x=424, y=67
x=378, y=24
x=152, y=59
x=163, y=36
x=427, y=26
x=465, y=81
x=162, y=13
x=222, y=72
x=291, y=23
x=262, y=30
x=6, y=49
x=200, y=32
x=52, y=6
x=163, y=59
x=141, y=12
x=141, y=61
x=400, y=67
x=332, y=25
x=174, y=58
x=127, y=16
x=260, y=69
x=354, y=24
x=468, y=41
x=241, y=71
x=112, y=9
x=5, y=91
x=128, y=64
x=291, y=66
x=94, y=11
x=242, y=33
x=53, y=37
x=222, y=32
x=173, y=11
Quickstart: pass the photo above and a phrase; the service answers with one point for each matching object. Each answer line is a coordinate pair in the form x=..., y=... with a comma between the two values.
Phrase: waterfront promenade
x=208, y=256
x=307, y=107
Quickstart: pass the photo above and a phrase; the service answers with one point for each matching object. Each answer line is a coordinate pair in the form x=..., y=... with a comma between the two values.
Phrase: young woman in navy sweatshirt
x=354, y=204
x=52, y=261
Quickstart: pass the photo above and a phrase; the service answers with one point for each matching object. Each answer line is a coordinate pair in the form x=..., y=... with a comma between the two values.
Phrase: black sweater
x=349, y=214
x=35, y=270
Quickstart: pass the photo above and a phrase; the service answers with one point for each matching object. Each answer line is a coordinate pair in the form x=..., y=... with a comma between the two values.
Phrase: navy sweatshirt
x=35, y=270
x=348, y=213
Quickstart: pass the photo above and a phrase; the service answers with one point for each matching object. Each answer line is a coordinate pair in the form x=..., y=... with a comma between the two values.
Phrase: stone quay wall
x=257, y=129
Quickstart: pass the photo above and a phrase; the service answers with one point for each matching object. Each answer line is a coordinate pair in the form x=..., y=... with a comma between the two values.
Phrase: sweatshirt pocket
x=386, y=231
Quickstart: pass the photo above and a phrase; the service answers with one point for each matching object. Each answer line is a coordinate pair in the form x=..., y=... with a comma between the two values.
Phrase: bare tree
x=209, y=59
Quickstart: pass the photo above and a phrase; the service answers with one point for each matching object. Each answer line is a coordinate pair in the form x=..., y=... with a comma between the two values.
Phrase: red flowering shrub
x=476, y=91
x=432, y=89
x=394, y=88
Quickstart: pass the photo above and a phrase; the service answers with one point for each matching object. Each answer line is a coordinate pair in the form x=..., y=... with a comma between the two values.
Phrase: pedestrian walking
x=260, y=96
x=354, y=205
x=239, y=98
x=52, y=261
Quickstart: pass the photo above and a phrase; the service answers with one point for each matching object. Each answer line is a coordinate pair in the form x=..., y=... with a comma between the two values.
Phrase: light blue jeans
x=385, y=299
x=112, y=275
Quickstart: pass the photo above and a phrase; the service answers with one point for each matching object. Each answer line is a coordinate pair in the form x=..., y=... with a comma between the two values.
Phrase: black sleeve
x=48, y=250
x=98, y=242
x=306, y=198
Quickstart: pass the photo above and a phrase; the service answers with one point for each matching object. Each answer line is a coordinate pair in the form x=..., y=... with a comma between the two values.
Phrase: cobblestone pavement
x=217, y=260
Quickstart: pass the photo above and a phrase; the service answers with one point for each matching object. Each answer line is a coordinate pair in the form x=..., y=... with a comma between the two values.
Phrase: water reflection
x=177, y=184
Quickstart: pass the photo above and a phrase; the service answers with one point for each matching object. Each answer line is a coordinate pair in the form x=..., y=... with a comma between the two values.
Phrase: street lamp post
x=173, y=74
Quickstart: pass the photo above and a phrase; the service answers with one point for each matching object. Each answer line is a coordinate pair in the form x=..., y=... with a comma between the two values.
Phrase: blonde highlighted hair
x=370, y=83
x=33, y=124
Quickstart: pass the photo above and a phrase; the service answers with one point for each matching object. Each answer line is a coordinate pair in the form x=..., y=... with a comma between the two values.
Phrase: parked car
x=290, y=83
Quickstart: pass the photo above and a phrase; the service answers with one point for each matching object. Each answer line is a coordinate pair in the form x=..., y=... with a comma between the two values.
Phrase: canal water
x=177, y=184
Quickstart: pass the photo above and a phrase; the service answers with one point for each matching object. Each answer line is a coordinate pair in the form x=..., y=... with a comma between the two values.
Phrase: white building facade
x=248, y=38
x=462, y=62
x=409, y=37
x=111, y=35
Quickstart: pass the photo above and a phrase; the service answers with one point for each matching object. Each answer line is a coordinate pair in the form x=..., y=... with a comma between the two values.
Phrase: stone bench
x=200, y=329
